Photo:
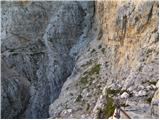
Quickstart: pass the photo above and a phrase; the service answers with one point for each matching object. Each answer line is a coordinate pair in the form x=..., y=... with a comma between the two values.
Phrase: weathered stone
x=48, y=46
x=141, y=93
x=125, y=95
x=155, y=105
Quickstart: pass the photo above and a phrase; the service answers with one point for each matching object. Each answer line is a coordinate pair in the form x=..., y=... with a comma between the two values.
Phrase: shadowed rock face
x=15, y=92
x=37, y=41
x=71, y=59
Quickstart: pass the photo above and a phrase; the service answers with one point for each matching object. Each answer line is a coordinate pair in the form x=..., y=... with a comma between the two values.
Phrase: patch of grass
x=109, y=107
x=113, y=92
x=88, y=74
x=103, y=50
x=84, y=80
x=95, y=69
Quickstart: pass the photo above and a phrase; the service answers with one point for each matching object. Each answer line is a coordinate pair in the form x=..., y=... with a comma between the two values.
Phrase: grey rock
x=45, y=45
x=15, y=93
x=125, y=95
x=155, y=105
x=141, y=93
x=38, y=43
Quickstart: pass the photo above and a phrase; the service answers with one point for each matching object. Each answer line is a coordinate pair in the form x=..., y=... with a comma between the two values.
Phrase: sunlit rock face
x=126, y=48
x=64, y=59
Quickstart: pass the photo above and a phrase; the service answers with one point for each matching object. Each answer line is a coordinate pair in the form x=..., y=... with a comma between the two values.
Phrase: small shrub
x=109, y=108
x=117, y=91
x=95, y=69
x=113, y=92
x=84, y=80
x=87, y=75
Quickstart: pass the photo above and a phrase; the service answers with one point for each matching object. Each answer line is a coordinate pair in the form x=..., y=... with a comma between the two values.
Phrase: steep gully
x=42, y=66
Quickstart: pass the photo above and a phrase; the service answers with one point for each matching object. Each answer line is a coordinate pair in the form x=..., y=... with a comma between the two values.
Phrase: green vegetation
x=95, y=69
x=84, y=80
x=88, y=74
x=113, y=92
x=109, y=108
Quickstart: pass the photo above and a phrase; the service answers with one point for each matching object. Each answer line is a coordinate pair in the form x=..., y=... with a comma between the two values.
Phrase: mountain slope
x=73, y=59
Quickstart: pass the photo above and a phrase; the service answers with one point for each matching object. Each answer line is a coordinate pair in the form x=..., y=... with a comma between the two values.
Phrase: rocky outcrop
x=126, y=51
x=15, y=92
x=73, y=59
x=155, y=103
x=41, y=43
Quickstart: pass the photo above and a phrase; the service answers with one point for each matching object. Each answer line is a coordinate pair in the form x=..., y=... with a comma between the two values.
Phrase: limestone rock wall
x=126, y=50
x=133, y=34
x=72, y=59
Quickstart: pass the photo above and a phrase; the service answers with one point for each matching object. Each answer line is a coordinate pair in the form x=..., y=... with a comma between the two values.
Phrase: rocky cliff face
x=71, y=59
x=40, y=44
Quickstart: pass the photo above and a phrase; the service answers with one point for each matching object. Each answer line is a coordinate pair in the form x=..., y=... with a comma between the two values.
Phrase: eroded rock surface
x=125, y=52
x=71, y=59
x=37, y=41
